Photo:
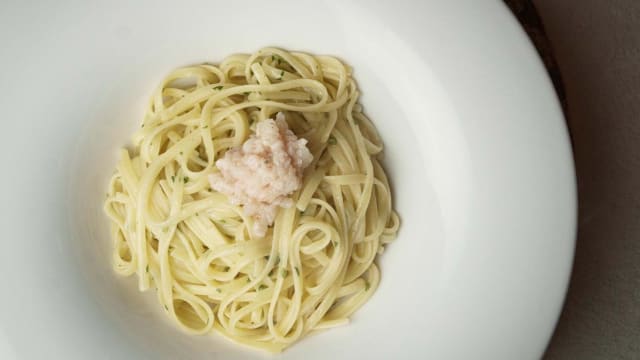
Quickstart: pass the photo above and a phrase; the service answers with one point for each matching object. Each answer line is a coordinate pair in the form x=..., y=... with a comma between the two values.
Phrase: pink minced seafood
x=263, y=173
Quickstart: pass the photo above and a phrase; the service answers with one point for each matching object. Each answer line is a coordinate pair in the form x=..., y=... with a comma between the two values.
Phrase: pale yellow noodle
x=316, y=265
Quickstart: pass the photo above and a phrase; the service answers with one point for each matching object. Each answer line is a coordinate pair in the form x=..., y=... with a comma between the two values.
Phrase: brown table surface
x=596, y=47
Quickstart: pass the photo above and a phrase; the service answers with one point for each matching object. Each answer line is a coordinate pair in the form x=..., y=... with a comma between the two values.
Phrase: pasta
x=316, y=265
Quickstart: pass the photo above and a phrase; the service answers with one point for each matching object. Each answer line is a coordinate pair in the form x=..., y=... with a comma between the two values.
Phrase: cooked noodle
x=315, y=266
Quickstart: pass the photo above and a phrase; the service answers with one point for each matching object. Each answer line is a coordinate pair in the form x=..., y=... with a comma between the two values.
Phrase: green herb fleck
x=332, y=140
x=266, y=257
x=247, y=93
x=277, y=59
x=173, y=178
x=166, y=308
x=218, y=290
x=262, y=287
x=142, y=125
x=248, y=280
x=281, y=74
x=226, y=268
x=196, y=214
x=367, y=286
x=297, y=271
x=186, y=178
x=335, y=243
x=277, y=260
x=284, y=272
x=147, y=268
x=180, y=152
x=218, y=87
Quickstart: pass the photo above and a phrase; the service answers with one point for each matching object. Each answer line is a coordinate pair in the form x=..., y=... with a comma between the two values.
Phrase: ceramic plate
x=476, y=149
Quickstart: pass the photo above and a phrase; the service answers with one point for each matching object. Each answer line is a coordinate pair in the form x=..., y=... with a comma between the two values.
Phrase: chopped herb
x=276, y=59
x=297, y=271
x=277, y=260
x=218, y=290
x=142, y=125
x=281, y=74
x=186, y=178
x=284, y=272
x=248, y=280
x=332, y=140
x=173, y=178
x=218, y=87
x=262, y=287
x=147, y=268
x=266, y=257
x=335, y=243
x=196, y=214
x=166, y=308
x=226, y=268
x=180, y=152
x=367, y=286
x=247, y=92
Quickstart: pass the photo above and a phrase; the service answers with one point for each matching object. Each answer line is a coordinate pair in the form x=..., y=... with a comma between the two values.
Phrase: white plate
x=477, y=151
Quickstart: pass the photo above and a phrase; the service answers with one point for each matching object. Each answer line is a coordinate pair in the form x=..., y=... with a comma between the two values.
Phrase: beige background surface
x=597, y=48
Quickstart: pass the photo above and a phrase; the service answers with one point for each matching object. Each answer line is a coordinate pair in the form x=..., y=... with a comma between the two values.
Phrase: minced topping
x=263, y=173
